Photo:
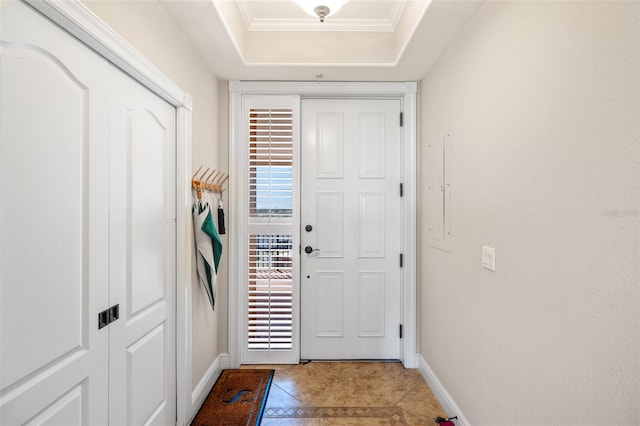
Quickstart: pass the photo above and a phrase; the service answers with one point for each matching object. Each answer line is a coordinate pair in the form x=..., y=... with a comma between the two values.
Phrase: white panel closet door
x=143, y=277
x=54, y=242
x=87, y=221
x=350, y=286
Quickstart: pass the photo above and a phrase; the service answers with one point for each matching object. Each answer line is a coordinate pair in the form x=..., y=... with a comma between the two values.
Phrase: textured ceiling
x=366, y=40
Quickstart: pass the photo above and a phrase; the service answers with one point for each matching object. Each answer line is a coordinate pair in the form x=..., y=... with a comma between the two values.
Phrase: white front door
x=351, y=229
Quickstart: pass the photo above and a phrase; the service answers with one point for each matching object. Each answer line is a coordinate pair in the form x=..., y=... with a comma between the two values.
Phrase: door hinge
x=402, y=189
x=108, y=316
x=401, y=260
x=401, y=331
x=401, y=119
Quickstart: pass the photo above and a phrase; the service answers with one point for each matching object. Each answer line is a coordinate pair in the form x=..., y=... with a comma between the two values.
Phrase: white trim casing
x=447, y=402
x=234, y=226
x=407, y=93
x=409, y=348
x=75, y=18
x=184, y=241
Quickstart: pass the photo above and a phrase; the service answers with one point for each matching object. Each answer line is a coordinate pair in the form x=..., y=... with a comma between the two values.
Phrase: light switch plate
x=489, y=258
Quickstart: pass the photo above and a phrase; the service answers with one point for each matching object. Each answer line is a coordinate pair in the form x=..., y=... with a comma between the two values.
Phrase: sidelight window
x=272, y=229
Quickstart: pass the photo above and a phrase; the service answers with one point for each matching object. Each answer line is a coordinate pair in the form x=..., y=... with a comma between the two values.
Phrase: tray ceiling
x=365, y=40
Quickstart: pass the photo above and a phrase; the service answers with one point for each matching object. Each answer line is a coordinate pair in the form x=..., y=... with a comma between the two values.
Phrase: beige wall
x=542, y=100
x=147, y=27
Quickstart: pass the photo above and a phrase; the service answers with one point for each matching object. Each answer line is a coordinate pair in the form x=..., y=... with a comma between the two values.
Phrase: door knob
x=308, y=228
x=309, y=249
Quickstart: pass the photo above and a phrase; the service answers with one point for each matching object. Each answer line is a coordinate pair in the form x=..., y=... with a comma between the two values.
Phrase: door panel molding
x=406, y=92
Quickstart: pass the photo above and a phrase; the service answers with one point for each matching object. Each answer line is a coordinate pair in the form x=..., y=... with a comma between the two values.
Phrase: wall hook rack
x=210, y=180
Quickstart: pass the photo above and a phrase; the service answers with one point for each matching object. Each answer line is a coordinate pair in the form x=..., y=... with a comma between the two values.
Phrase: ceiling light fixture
x=321, y=10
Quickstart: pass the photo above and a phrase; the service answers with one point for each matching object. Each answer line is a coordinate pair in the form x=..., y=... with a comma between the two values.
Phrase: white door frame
x=407, y=93
x=76, y=19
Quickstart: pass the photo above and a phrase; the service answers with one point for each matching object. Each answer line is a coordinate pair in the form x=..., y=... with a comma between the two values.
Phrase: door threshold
x=307, y=361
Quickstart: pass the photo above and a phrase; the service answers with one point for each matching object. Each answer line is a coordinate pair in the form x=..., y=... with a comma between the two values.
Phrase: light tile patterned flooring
x=349, y=393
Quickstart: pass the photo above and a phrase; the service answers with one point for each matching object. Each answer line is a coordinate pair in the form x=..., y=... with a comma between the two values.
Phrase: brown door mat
x=237, y=399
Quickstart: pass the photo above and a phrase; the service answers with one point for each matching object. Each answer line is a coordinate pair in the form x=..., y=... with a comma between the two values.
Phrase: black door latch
x=108, y=316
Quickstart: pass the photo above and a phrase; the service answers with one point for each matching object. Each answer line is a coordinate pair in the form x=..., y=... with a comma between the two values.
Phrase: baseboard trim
x=411, y=361
x=205, y=384
x=447, y=402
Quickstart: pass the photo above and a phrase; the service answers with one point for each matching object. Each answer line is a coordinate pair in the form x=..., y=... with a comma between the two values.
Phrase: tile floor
x=349, y=393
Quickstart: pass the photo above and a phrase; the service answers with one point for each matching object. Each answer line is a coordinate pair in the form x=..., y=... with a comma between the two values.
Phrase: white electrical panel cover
x=439, y=191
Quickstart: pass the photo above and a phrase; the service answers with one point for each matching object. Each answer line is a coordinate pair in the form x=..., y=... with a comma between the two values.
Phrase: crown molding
x=78, y=20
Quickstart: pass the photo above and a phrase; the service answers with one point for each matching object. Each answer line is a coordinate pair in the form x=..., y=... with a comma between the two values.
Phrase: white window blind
x=272, y=230
x=270, y=292
x=270, y=163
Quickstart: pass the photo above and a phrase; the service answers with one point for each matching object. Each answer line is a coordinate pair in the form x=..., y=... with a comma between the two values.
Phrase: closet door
x=142, y=234
x=54, y=241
